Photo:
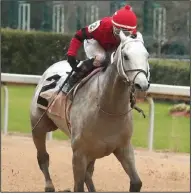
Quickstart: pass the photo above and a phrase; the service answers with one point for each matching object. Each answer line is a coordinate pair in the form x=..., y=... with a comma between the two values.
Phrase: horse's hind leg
x=126, y=157
x=88, y=177
x=39, y=138
x=43, y=160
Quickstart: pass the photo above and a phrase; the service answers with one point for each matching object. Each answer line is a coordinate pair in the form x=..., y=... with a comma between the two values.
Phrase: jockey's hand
x=73, y=62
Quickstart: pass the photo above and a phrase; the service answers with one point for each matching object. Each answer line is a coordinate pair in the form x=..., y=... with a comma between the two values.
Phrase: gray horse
x=100, y=116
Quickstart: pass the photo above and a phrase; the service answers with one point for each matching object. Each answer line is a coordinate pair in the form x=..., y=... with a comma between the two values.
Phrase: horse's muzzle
x=142, y=88
x=141, y=82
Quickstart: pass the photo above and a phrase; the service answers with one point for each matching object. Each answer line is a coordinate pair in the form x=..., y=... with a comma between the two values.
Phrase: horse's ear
x=122, y=36
x=139, y=36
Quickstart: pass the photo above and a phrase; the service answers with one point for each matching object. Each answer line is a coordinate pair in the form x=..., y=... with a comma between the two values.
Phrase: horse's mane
x=133, y=36
x=107, y=60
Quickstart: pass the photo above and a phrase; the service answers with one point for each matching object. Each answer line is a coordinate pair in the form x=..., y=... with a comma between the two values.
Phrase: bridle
x=131, y=84
x=122, y=72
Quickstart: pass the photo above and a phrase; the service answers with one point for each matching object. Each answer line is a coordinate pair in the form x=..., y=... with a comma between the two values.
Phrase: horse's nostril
x=137, y=86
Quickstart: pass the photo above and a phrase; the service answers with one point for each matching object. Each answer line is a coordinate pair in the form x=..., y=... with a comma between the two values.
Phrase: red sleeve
x=77, y=40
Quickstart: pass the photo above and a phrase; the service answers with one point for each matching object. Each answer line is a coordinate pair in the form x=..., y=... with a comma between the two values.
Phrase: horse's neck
x=114, y=96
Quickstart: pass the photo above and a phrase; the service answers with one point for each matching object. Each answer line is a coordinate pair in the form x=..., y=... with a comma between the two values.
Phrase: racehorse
x=100, y=116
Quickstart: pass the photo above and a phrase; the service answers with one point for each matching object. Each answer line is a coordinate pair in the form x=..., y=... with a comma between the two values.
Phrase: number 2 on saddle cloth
x=42, y=101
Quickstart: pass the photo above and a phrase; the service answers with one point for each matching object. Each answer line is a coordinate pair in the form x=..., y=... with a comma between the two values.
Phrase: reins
x=132, y=103
x=101, y=109
x=132, y=91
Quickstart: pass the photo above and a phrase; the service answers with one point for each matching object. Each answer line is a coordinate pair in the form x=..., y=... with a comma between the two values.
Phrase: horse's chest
x=114, y=132
x=102, y=143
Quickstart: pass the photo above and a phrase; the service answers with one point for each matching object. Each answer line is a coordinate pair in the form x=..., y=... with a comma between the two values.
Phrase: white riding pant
x=93, y=49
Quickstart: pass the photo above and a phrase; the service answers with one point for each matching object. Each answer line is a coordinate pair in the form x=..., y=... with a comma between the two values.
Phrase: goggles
x=116, y=31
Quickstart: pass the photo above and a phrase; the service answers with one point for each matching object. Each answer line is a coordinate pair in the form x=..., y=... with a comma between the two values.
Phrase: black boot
x=85, y=68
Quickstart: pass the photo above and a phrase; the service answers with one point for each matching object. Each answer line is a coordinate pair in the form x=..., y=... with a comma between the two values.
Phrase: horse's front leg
x=88, y=178
x=126, y=157
x=79, y=170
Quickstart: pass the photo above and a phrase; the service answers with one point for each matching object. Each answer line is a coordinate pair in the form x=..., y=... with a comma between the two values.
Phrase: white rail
x=169, y=90
x=158, y=89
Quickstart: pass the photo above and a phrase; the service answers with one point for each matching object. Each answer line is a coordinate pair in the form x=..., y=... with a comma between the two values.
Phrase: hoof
x=65, y=191
x=135, y=187
x=49, y=189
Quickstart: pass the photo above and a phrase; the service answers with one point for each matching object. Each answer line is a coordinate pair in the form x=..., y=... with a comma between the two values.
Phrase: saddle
x=62, y=102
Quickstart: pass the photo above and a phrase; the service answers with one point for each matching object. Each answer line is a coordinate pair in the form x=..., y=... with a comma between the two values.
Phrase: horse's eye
x=126, y=57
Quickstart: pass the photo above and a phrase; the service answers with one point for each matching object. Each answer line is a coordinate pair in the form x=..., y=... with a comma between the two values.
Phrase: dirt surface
x=20, y=171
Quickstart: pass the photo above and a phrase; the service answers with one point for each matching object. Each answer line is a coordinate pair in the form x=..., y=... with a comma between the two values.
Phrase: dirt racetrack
x=160, y=172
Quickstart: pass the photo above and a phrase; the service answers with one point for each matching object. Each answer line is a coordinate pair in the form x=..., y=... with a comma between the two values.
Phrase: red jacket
x=101, y=30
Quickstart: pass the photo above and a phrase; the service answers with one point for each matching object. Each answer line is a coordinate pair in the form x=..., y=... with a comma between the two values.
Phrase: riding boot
x=85, y=68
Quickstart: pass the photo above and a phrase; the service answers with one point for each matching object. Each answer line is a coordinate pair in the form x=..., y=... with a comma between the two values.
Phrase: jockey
x=99, y=38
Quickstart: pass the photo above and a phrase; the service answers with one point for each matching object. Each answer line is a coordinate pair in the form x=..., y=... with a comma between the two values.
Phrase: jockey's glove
x=73, y=63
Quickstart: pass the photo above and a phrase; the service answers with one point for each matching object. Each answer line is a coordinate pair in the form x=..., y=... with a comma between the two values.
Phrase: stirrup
x=66, y=88
x=70, y=84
